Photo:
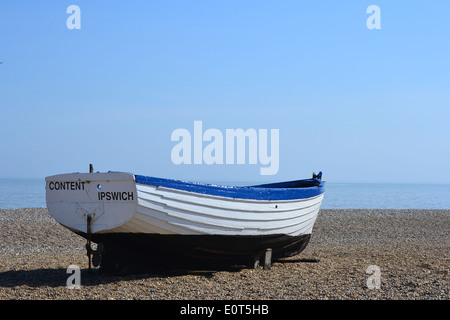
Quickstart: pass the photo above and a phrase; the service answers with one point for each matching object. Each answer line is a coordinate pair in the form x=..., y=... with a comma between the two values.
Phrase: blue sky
x=360, y=105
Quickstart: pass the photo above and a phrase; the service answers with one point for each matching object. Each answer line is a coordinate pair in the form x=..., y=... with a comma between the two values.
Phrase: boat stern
x=109, y=199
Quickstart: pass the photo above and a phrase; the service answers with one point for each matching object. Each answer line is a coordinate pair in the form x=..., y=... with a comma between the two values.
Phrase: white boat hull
x=169, y=211
x=157, y=219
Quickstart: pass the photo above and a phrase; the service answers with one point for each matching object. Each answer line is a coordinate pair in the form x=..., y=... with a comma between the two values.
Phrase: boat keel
x=129, y=252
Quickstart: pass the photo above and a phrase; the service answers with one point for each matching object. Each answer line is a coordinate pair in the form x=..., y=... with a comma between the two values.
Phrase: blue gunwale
x=289, y=190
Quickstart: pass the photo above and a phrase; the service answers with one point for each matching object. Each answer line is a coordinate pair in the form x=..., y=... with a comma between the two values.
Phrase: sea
x=30, y=193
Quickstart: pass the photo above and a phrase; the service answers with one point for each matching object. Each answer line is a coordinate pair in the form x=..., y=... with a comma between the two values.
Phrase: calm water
x=22, y=193
x=386, y=196
x=26, y=193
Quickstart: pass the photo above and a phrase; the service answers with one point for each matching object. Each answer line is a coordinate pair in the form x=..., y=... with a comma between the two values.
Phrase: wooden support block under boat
x=268, y=259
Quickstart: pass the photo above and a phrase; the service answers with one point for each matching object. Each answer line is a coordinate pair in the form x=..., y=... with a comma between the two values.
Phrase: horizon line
x=250, y=182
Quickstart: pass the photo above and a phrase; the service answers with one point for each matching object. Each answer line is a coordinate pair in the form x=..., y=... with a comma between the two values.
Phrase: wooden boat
x=140, y=221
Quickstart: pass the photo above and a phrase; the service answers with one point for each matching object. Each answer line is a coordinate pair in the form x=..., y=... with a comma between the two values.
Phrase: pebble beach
x=409, y=248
